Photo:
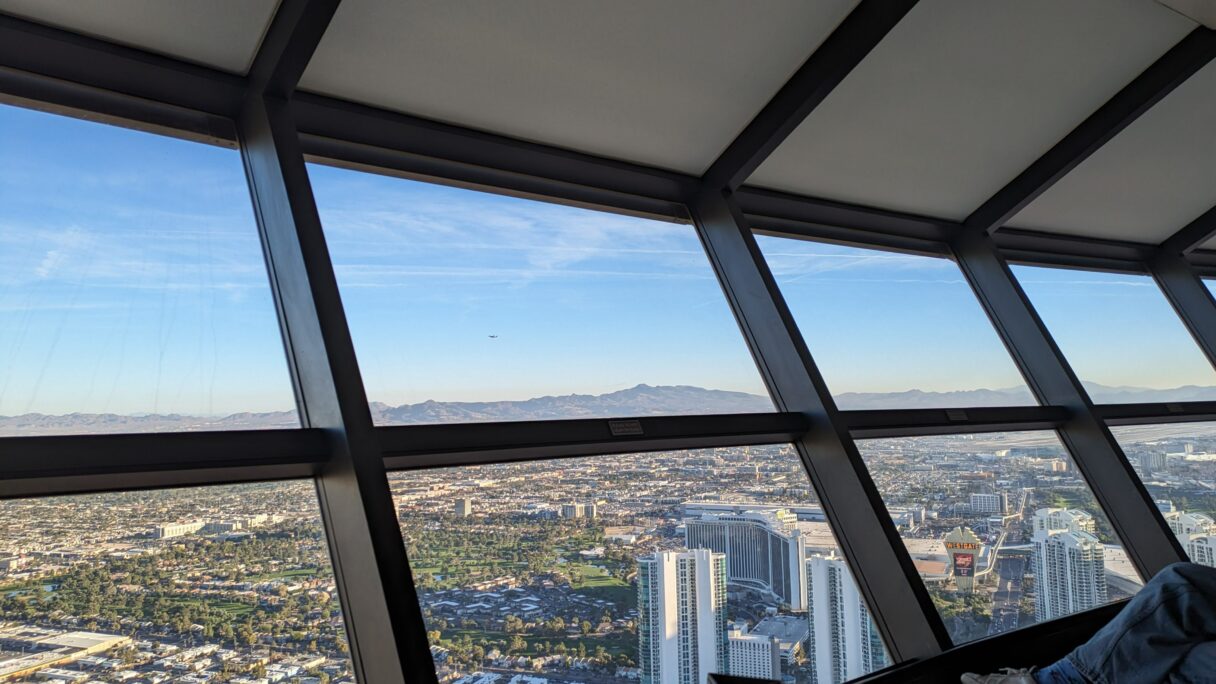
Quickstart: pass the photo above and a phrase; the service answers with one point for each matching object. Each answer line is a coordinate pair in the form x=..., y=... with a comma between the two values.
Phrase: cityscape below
x=654, y=567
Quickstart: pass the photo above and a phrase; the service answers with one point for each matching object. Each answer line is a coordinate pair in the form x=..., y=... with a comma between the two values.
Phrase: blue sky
x=580, y=301
x=881, y=321
x=131, y=275
x=1115, y=329
x=132, y=281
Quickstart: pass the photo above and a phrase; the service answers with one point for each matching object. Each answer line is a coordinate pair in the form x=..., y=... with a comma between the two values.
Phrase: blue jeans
x=1166, y=633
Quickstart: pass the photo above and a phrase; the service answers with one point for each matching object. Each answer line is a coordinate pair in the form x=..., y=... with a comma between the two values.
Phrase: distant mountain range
x=642, y=400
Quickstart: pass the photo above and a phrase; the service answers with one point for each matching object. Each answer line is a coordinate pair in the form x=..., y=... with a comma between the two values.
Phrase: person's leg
x=1059, y=672
x=1198, y=666
x=1155, y=631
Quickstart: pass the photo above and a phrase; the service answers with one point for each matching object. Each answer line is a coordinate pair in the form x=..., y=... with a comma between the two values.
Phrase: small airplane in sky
x=493, y=337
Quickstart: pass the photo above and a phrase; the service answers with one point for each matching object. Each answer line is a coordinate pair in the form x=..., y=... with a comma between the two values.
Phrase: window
x=216, y=582
x=472, y=307
x=893, y=330
x=133, y=292
x=1120, y=335
x=1177, y=463
x=562, y=565
x=1002, y=528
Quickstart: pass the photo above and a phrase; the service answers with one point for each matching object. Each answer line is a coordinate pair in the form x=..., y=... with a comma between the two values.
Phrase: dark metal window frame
x=277, y=129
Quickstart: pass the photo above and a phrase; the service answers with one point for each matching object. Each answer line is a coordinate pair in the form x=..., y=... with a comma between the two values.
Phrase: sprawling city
x=214, y=584
x=605, y=569
x=656, y=567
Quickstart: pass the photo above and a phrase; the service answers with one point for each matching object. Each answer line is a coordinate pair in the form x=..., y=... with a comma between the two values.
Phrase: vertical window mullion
x=885, y=575
x=387, y=636
x=1095, y=451
x=1189, y=297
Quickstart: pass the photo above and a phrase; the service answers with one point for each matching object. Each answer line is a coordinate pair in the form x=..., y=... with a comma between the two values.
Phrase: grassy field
x=597, y=583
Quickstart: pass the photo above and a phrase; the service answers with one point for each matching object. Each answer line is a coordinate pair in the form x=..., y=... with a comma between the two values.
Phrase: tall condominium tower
x=844, y=643
x=763, y=549
x=682, y=635
x=1069, y=519
x=1070, y=572
x=1181, y=522
x=1195, y=531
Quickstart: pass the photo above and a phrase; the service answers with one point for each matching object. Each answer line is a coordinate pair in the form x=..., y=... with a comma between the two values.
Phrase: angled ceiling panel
x=963, y=95
x=667, y=84
x=1149, y=181
x=219, y=33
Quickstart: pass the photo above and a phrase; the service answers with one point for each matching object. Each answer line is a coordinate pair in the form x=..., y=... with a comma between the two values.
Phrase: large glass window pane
x=1001, y=526
x=893, y=330
x=133, y=292
x=467, y=306
x=223, y=583
x=1177, y=463
x=1120, y=335
x=592, y=569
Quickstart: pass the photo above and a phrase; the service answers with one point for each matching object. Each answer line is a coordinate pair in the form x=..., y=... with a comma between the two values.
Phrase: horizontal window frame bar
x=419, y=447
x=63, y=55
x=849, y=237
x=1155, y=413
x=416, y=145
x=65, y=98
x=775, y=207
x=883, y=423
x=63, y=464
x=1203, y=261
x=1072, y=251
x=786, y=215
x=398, y=164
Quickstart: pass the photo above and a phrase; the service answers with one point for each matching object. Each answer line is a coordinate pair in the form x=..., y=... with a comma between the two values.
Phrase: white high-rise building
x=1152, y=462
x=1181, y=523
x=1201, y=548
x=1070, y=570
x=844, y=643
x=1069, y=519
x=1196, y=533
x=682, y=616
x=753, y=655
x=763, y=548
x=990, y=504
x=463, y=507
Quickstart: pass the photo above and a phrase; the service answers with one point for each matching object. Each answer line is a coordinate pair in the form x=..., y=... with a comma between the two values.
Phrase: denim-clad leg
x=1162, y=635
x=1199, y=666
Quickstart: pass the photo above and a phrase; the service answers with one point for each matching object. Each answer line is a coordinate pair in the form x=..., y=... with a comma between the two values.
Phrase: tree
x=513, y=625
x=585, y=626
x=516, y=644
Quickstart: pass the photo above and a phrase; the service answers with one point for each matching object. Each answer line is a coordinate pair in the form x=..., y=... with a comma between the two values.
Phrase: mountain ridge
x=640, y=400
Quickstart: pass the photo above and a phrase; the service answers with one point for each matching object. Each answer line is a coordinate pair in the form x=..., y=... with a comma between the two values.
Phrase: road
x=1007, y=599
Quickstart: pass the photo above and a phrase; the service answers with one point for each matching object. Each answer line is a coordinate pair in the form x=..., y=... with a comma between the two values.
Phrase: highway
x=1007, y=599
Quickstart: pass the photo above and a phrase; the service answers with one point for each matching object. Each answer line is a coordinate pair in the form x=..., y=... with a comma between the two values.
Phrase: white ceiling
x=220, y=33
x=1147, y=182
x=963, y=95
x=667, y=83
